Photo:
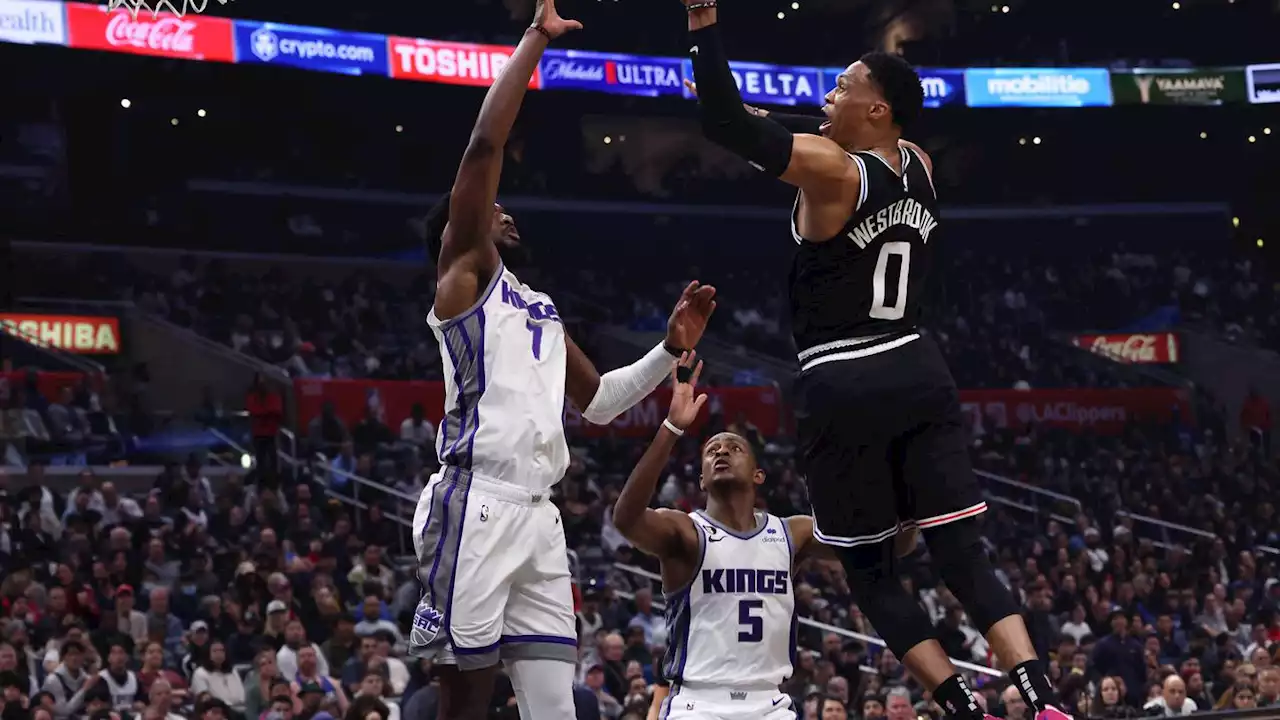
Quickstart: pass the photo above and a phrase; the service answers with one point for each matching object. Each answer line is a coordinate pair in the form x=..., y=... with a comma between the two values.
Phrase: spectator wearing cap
x=315, y=703
x=273, y=629
x=197, y=639
x=594, y=680
x=121, y=683
x=1120, y=654
x=159, y=618
x=215, y=675
x=282, y=591
x=295, y=638
x=69, y=681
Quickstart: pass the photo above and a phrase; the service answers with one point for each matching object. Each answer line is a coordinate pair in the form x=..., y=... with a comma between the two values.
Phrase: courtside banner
x=762, y=84
x=80, y=334
x=1141, y=348
x=194, y=37
x=1263, y=83
x=311, y=48
x=1037, y=87
x=610, y=73
x=1106, y=412
x=394, y=399
x=449, y=62
x=32, y=22
x=1201, y=86
x=941, y=87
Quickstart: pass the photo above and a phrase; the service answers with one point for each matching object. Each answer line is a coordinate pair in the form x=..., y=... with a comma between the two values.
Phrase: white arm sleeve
x=621, y=389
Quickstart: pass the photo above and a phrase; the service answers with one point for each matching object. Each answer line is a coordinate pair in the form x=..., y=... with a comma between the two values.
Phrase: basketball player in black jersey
x=882, y=442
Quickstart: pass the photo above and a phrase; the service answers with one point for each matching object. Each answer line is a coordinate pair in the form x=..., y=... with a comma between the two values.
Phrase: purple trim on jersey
x=795, y=616
x=551, y=639
x=462, y=395
x=444, y=533
x=740, y=535
x=462, y=521
x=475, y=651
x=477, y=364
x=479, y=361
x=484, y=297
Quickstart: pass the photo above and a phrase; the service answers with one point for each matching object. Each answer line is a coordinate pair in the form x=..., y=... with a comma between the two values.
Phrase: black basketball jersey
x=869, y=279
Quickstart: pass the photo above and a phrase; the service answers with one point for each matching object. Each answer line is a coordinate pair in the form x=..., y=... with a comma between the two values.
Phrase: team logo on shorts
x=427, y=623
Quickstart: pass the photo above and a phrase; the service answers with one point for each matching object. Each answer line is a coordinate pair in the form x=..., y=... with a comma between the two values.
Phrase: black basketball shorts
x=882, y=442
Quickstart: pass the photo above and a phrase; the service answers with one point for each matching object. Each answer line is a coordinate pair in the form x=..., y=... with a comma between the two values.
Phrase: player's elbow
x=480, y=149
x=596, y=416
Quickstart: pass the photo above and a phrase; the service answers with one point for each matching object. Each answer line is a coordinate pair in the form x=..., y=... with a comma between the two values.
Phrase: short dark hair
x=436, y=221
x=899, y=84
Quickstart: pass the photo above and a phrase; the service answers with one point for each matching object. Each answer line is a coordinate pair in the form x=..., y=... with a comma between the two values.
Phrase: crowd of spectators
x=264, y=600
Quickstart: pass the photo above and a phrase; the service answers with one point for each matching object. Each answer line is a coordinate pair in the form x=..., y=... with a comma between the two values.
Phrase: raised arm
x=813, y=163
x=475, y=188
x=663, y=533
x=795, y=124
x=601, y=398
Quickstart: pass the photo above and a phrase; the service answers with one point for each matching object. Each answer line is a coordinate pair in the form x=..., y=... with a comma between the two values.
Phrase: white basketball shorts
x=708, y=703
x=495, y=573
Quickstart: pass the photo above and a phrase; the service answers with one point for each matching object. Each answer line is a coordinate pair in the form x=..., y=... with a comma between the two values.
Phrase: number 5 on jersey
x=752, y=625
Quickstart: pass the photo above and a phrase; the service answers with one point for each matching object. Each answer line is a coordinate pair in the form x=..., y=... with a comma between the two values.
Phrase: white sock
x=544, y=688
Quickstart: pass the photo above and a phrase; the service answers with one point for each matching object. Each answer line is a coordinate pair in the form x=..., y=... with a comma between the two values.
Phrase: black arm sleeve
x=761, y=141
x=798, y=124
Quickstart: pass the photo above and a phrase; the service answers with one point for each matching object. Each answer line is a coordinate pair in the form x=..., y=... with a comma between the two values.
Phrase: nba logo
x=265, y=44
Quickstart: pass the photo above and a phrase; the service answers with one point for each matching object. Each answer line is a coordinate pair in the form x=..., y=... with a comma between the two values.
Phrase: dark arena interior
x=219, y=397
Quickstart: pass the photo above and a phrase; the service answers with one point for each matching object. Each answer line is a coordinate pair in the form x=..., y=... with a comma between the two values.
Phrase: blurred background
x=218, y=395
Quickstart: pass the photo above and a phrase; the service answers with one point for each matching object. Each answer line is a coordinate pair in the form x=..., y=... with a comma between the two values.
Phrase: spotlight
x=399, y=128
x=1036, y=140
x=1235, y=222
x=1204, y=136
x=174, y=122
x=201, y=113
x=1022, y=141
x=782, y=16
x=1253, y=138
x=607, y=140
x=126, y=103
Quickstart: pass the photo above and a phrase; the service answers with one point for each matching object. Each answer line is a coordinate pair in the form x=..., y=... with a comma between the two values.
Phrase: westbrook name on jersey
x=504, y=373
x=733, y=627
x=866, y=285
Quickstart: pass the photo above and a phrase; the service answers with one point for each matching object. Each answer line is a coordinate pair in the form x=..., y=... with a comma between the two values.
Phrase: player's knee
x=873, y=581
x=961, y=560
x=544, y=688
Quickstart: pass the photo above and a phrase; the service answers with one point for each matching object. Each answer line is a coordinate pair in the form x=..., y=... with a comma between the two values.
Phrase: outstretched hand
x=689, y=318
x=685, y=402
x=546, y=17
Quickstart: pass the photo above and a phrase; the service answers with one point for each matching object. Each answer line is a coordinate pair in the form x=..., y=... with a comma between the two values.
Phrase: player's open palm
x=686, y=403
x=548, y=18
x=689, y=318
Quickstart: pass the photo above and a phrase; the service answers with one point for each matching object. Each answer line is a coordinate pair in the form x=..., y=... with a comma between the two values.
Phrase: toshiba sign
x=80, y=334
x=1145, y=348
x=450, y=63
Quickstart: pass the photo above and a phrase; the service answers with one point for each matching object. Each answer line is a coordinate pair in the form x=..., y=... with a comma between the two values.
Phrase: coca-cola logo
x=573, y=71
x=167, y=34
x=1131, y=348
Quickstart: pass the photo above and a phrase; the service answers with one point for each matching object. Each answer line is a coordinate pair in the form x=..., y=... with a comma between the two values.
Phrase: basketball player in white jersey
x=726, y=573
x=494, y=567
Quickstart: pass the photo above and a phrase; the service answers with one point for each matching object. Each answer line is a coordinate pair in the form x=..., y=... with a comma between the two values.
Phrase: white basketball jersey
x=504, y=370
x=734, y=626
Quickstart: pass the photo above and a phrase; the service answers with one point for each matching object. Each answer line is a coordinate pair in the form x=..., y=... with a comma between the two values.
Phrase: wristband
x=672, y=350
x=704, y=5
x=544, y=32
x=666, y=423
